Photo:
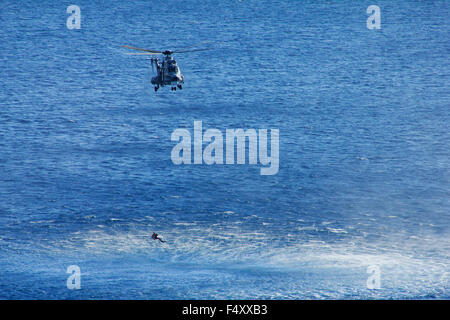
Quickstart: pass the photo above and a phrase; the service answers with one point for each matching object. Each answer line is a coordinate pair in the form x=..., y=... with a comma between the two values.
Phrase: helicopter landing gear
x=173, y=88
x=180, y=86
x=156, y=88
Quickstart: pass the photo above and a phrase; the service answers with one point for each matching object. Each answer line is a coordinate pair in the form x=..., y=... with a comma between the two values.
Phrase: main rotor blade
x=184, y=51
x=142, y=53
x=140, y=49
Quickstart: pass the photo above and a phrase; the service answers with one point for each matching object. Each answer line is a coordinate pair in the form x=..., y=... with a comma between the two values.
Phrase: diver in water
x=155, y=237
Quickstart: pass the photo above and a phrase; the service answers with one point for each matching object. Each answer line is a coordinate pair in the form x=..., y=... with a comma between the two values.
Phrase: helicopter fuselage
x=168, y=73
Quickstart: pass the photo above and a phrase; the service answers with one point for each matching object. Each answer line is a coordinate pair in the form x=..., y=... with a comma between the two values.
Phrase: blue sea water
x=86, y=174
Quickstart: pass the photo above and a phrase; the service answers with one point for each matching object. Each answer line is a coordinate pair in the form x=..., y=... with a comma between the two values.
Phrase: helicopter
x=167, y=70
